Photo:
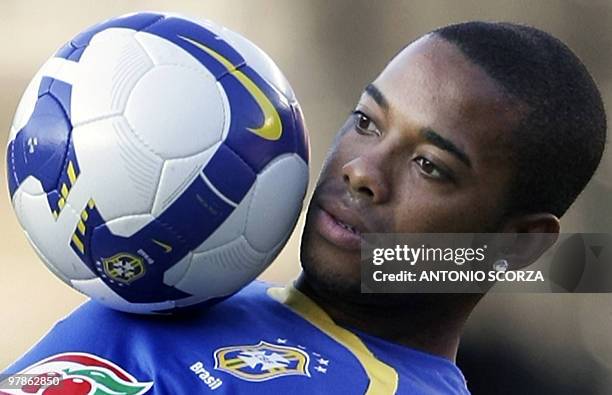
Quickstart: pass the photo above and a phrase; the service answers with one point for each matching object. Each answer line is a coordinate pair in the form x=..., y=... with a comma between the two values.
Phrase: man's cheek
x=332, y=166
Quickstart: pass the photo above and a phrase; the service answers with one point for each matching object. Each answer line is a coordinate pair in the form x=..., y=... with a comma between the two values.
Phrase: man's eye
x=430, y=169
x=364, y=124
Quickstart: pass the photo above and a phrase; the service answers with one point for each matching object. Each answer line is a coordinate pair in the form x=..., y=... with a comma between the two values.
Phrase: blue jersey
x=263, y=340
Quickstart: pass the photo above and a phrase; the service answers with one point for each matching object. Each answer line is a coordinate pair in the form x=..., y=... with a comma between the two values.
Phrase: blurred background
x=329, y=51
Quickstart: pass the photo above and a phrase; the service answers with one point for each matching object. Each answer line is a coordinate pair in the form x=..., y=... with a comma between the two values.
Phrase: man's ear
x=534, y=234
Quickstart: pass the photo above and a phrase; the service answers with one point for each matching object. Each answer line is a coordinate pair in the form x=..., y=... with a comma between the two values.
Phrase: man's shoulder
x=256, y=290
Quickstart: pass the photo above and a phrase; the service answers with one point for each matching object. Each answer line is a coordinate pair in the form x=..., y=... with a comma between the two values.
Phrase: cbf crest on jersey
x=262, y=361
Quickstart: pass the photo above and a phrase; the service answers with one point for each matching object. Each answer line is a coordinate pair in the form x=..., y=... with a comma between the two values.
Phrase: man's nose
x=365, y=179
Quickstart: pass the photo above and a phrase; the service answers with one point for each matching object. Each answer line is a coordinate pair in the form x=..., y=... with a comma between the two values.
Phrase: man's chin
x=331, y=282
x=327, y=266
x=335, y=274
x=345, y=288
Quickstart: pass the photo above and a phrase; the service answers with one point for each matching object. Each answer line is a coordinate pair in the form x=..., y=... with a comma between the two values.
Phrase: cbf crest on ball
x=156, y=162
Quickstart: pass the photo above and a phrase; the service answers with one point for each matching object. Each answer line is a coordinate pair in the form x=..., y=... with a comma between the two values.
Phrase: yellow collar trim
x=383, y=378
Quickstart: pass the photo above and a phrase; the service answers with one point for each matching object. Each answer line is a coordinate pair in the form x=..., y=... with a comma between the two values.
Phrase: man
x=476, y=127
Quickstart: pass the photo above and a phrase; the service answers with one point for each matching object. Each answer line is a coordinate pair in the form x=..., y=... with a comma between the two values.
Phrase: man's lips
x=339, y=226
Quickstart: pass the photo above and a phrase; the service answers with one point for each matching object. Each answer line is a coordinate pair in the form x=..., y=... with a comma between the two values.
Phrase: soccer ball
x=156, y=162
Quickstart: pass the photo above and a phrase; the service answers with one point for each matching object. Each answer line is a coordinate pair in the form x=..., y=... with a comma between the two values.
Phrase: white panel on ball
x=223, y=270
x=285, y=176
x=178, y=270
x=108, y=70
x=12, y=134
x=177, y=175
x=118, y=172
x=32, y=186
x=47, y=262
x=26, y=105
x=164, y=52
x=176, y=111
x=51, y=236
x=231, y=228
x=128, y=225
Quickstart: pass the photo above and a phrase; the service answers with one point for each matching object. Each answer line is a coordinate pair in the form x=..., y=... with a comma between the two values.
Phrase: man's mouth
x=346, y=226
x=333, y=225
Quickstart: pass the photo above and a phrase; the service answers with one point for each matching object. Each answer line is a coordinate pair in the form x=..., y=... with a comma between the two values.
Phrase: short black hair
x=560, y=141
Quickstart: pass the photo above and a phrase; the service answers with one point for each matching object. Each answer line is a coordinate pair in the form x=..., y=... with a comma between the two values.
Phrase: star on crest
x=267, y=361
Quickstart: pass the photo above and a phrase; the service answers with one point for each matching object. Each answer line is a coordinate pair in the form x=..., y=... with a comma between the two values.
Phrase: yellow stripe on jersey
x=383, y=378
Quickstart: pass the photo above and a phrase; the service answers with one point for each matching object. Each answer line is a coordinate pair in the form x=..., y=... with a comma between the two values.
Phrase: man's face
x=426, y=150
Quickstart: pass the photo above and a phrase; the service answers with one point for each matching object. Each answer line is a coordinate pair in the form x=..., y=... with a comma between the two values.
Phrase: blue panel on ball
x=53, y=198
x=65, y=51
x=75, y=56
x=66, y=180
x=62, y=92
x=43, y=147
x=45, y=85
x=191, y=36
x=247, y=115
x=81, y=241
x=11, y=176
x=229, y=174
x=150, y=258
x=91, y=243
x=302, y=145
x=160, y=244
x=40, y=147
x=197, y=213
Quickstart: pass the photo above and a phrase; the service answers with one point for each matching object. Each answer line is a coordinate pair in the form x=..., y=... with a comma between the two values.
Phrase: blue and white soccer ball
x=157, y=162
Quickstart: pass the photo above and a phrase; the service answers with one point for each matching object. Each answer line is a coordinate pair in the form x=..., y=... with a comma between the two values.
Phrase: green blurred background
x=329, y=50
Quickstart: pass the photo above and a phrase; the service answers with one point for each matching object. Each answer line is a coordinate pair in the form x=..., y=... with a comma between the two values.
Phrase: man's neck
x=432, y=324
